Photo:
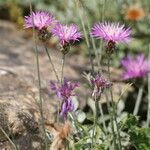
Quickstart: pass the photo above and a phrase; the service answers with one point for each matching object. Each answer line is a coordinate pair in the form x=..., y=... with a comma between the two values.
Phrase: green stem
x=102, y=115
x=114, y=108
x=111, y=121
x=95, y=121
x=85, y=32
x=62, y=69
x=138, y=101
x=98, y=57
x=51, y=62
x=148, y=109
x=56, y=75
x=40, y=103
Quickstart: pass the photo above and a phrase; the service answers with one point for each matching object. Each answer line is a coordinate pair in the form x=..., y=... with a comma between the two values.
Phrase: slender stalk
x=93, y=42
x=95, y=121
x=56, y=75
x=102, y=114
x=148, y=109
x=12, y=143
x=111, y=121
x=40, y=103
x=114, y=107
x=138, y=101
x=85, y=33
x=62, y=69
x=61, y=81
x=102, y=15
x=51, y=62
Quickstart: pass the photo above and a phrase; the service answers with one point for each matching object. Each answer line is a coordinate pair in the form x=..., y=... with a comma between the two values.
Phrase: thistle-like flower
x=135, y=67
x=67, y=35
x=64, y=94
x=112, y=33
x=40, y=20
x=99, y=83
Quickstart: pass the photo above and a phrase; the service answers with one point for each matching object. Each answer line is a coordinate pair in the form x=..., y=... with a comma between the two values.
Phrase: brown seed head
x=134, y=13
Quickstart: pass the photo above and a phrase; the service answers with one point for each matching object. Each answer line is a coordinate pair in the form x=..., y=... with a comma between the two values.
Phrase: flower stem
x=80, y=13
x=148, y=109
x=56, y=75
x=114, y=107
x=62, y=69
x=102, y=114
x=111, y=121
x=40, y=103
x=138, y=101
x=51, y=62
x=95, y=121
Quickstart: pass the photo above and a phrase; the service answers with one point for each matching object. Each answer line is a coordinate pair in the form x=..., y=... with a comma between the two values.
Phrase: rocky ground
x=19, y=113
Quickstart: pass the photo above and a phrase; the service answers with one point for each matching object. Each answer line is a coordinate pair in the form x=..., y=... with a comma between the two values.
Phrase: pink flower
x=135, y=67
x=66, y=33
x=111, y=32
x=41, y=20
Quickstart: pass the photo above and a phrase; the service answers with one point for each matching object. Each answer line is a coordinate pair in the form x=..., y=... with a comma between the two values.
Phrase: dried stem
x=12, y=143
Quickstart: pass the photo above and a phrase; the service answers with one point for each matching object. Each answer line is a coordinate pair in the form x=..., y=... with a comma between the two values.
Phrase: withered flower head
x=134, y=13
x=60, y=133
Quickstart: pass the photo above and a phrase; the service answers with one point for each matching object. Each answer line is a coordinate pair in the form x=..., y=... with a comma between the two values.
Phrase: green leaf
x=129, y=122
x=82, y=144
x=140, y=137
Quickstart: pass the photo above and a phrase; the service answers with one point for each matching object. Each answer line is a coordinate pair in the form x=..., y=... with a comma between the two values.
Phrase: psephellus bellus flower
x=111, y=33
x=64, y=93
x=67, y=34
x=137, y=67
x=40, y=20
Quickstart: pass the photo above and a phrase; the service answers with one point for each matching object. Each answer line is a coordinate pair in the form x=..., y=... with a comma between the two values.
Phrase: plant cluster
x=115, y=133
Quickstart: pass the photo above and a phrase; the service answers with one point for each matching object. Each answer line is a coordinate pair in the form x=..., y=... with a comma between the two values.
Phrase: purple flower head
x=135, y=67
x=111, y=32
x=66, y=34
x=41, y=20
x=67, y=106
x=64, y=93
x=99, y=83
